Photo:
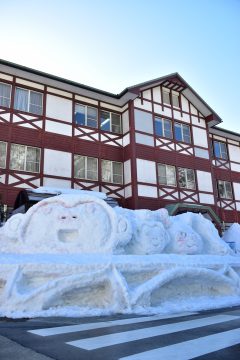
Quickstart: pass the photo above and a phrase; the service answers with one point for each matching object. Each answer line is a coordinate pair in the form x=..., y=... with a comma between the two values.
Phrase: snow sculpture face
x=150, y=238
x=70, y=224
x=186, y=242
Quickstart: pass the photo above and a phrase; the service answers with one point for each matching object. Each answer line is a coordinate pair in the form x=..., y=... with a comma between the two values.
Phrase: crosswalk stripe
x=190, y=349
x=128, y=336
x=105, y=324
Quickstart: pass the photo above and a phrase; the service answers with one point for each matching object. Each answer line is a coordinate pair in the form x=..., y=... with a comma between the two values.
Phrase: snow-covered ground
x=74, y=255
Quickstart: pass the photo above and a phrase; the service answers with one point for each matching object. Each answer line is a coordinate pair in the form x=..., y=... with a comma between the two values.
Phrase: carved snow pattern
x=109, y=286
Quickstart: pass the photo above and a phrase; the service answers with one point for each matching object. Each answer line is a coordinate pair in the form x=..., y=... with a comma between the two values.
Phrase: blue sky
x=114, y=44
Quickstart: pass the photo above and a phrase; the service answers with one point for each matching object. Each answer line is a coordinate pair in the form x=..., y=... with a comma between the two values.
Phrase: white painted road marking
x=190, y=349
x=128, y=336
x=99, y=325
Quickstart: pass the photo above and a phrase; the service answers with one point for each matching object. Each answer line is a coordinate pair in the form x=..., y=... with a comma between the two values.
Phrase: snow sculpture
x=232, y=236
x=184, y=240
x=149, y=236
x=211, y=241
x=75, y=255
x=67, y=224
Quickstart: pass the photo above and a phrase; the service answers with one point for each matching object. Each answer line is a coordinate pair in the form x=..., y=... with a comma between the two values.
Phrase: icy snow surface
x=74, y=255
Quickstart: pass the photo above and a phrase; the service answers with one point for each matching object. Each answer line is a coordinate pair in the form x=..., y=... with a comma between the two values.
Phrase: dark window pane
x=216, y=147
x=223, y=150
x=80, y=115
x=182, y=178
x=5, y=93
x=178, y=132
x=167, y=129
x=116, y=123
x=91, y=117
x=186, y=134
x=162, y=177
x=105, y=121
x=158, y=127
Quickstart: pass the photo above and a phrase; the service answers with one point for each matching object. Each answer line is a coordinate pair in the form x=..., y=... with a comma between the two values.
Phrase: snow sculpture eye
x=122, y=225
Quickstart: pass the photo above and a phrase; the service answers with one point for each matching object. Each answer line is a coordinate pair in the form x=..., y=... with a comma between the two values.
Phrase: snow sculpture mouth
x=68, y=235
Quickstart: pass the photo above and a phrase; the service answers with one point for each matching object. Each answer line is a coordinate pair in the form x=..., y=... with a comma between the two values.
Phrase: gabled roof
x=172, y=81
x=175, y=82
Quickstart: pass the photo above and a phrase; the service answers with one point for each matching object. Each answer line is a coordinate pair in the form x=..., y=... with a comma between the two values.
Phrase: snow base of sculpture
x=81, y=285
x=75, y=256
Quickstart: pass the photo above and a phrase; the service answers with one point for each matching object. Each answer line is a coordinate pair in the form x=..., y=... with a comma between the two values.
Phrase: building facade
x=154, y=145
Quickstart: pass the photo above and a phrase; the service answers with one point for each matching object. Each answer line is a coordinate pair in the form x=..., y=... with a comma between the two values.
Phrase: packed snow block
x=76, y=285
x=74, y=255
x=66, y=224
x=232, y=237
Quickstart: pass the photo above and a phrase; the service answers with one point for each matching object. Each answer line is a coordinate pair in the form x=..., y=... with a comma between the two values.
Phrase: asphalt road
x=203, y=335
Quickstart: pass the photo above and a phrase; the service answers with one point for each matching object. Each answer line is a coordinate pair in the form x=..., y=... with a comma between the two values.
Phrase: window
x=163, y=127
x=110, y=122
x=5, y=94
x=166, y=97
x=28, y=100
x=175, y=100
x=166, y=175
x=3, y=153
x=220, y=150
x=112, y=172
x=85, y=167
x=86, y=115
x=25, y=158
x=182, y=133
x=186, y=178
x=225, y=189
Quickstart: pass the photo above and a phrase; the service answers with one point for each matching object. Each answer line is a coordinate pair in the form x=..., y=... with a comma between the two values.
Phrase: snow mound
x=232, y=236
x=75, y=255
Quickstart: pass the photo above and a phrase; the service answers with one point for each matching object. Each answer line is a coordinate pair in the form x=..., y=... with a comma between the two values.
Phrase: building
x=156, y=144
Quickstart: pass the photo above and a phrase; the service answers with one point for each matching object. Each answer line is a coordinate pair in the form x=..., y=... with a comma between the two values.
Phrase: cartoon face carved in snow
x=72, y=224
x=150, y=238
x=185, y=241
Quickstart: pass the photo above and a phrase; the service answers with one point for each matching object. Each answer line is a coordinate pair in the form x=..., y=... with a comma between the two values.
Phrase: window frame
x=167, y=166
x=166, y=91
x=187, y=181
x=5, y=159
x=25, y=158
x=224, y=182
x=10, y=94
x=122, y=174
x=178, y=99
x=86, y=107
x=111, y=113
x=220, y=150
x=85, y=167
x=28, y=100
x=163, y=120
x=182, y=134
